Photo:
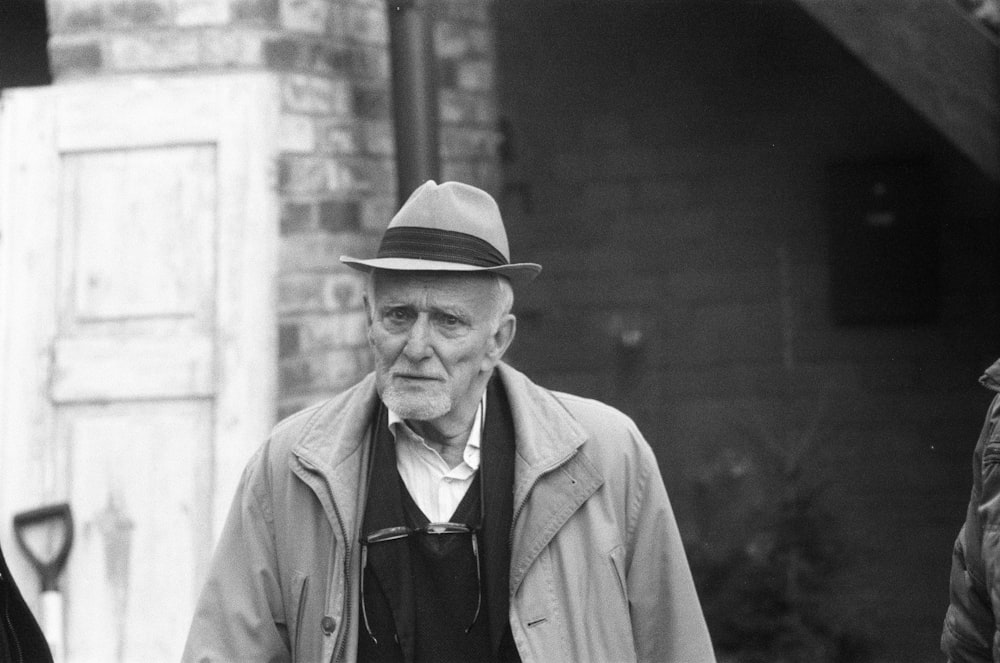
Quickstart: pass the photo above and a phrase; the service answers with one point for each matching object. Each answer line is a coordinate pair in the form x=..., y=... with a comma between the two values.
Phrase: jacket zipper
x=10, y=624
x=339, y=651
x=13, y=636
x=346, y=630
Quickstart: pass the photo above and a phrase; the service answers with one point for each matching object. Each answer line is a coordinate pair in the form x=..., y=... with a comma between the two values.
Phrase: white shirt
x=436, y=488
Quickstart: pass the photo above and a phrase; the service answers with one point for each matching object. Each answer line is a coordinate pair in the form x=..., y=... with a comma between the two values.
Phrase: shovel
x=47, y=551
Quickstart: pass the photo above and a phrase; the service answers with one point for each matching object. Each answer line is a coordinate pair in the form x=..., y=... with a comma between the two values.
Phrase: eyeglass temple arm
x=364, y=611
x=479, y=581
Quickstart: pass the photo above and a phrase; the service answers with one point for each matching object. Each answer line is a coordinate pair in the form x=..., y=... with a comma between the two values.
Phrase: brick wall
x=667, y=167
x=338, y=179
x=336, y=170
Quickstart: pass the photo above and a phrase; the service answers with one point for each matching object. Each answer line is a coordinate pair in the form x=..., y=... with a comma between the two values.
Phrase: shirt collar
x=398, y=427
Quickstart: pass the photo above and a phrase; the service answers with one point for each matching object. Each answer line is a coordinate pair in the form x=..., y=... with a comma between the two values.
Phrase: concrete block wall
x=336, y=171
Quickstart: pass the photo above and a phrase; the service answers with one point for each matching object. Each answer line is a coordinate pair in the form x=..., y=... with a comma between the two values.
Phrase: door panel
x=138, y=229
x=139, y=477
x=103, y=369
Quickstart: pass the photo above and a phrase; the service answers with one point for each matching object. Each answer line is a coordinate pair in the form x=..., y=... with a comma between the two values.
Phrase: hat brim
x=522, y=272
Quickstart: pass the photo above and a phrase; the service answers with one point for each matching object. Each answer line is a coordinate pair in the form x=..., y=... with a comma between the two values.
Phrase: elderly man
x=446, y=508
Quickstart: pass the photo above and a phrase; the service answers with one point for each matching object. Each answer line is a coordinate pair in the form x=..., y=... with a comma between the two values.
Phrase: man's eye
x=396, y=315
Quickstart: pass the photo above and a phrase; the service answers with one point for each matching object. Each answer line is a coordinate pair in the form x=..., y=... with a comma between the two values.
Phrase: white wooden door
x=137, y=335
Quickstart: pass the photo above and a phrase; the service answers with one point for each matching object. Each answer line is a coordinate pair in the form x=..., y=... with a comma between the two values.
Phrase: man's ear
x=502, y=338
x=369, y=321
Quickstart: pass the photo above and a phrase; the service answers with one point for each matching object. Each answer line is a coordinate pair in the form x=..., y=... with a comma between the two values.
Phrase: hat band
x=436, y=244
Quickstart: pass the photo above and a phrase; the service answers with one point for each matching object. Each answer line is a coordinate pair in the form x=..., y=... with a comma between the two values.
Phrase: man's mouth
x=416, y=377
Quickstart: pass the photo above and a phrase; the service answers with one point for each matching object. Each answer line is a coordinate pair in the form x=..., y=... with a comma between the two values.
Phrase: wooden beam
x=936, y=57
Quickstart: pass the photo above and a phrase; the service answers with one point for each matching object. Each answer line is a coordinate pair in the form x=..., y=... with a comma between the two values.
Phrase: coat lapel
x=332, y=456
x=549, y=466
x=556, y=496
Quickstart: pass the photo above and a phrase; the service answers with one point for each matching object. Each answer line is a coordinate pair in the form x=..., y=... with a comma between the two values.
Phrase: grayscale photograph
x=500, y=331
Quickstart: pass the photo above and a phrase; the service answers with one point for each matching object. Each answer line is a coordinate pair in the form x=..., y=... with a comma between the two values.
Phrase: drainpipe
x=414, y=95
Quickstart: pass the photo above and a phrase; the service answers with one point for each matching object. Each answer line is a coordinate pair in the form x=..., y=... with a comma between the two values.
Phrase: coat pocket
x=300, y=597
x=617, y=556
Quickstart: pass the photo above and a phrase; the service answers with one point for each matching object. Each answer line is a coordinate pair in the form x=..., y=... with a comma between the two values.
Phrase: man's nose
x=418, y=340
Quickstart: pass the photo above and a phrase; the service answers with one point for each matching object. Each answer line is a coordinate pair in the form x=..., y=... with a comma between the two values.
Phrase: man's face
x=436, y=339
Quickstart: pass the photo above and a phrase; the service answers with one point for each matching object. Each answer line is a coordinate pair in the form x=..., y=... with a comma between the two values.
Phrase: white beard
x=419, y=406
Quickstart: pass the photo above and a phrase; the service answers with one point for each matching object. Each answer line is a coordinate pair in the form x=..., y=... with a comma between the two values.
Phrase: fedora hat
x=447, y=227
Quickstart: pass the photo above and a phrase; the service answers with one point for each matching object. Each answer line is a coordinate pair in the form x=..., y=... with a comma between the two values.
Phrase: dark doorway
x=23, y=34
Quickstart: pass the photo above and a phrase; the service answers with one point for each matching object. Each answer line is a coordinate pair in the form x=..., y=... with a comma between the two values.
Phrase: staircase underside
x=936, y=57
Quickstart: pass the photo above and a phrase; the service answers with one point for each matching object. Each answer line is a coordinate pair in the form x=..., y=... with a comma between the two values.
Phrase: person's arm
x=969, y=624
x=21, y=637
x=667, y=621
x=240, y=614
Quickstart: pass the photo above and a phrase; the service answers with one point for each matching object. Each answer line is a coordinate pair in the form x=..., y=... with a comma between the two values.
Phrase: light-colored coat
x=598, y=572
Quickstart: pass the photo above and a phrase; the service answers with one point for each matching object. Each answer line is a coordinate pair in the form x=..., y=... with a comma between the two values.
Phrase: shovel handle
x=52, y=624
x=49, y=571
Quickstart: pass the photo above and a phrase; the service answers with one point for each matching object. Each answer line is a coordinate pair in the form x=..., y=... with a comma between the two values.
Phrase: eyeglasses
x=435, y=529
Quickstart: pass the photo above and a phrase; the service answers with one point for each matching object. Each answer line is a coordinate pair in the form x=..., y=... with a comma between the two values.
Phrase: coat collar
x=335, y=447
x=546, y=433
x=991, y=379
x=548, y=438
x=331, y=455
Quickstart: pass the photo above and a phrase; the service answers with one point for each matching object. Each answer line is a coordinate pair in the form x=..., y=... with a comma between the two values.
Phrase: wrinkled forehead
x=436, y=286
